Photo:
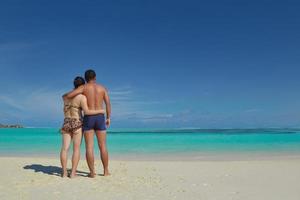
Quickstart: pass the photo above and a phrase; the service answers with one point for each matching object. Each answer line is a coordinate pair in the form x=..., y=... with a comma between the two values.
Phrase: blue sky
x=166, y=64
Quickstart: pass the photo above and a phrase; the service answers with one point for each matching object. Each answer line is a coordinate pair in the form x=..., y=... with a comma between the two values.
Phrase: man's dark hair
x=89, y=75
x=78, y=81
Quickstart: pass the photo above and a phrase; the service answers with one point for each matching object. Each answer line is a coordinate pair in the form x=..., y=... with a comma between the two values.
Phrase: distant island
x=11, y=126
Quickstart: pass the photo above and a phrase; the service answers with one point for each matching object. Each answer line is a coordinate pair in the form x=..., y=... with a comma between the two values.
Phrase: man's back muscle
x=94, y=94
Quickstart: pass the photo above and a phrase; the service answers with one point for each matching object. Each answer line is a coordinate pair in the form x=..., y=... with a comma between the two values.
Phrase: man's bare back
x=95, y=94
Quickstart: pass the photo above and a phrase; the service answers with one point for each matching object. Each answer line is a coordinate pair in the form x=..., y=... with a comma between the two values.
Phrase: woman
x=72, y=127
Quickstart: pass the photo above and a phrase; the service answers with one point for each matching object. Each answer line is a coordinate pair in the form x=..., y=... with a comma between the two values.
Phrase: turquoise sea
x=166, y=143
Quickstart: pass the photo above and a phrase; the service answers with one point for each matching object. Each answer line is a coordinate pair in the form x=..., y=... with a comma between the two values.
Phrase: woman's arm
x=84, y=106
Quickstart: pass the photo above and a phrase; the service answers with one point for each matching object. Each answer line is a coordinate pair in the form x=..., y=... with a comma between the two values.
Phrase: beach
x=39, y=178
x=254, y=164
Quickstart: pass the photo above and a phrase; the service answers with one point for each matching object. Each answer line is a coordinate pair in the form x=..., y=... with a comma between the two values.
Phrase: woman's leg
x=66, y=140
x=76, y=151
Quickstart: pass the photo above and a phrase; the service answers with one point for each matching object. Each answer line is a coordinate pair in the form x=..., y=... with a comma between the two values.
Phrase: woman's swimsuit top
x=72, y=111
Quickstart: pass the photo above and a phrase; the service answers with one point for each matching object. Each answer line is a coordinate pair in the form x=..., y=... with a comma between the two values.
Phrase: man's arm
x=108, y=107
x=73, y=93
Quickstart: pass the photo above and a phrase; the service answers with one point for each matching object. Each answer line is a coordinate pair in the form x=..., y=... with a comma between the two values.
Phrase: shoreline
x=194, y=157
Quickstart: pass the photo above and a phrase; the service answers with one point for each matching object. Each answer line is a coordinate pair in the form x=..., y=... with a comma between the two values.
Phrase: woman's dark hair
x=89, y=75
x=78, y=81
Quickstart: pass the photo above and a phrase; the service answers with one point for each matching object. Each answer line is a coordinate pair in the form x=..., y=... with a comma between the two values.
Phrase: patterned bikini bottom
x=71, y=125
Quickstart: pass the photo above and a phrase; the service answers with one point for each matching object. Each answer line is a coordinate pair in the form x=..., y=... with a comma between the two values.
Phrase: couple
x=87, y=98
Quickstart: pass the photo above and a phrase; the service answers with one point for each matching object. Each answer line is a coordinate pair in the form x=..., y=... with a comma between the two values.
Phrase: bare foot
x=92, y=175
x=64, y=174
x=106, y=173
x=73, y=175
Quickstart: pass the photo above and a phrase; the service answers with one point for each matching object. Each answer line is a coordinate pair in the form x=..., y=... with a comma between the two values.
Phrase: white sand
x=264, y=179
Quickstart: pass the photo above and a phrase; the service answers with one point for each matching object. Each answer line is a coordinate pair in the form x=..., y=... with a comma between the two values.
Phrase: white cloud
x=252, y=110
x=11, y=102
x=156, y=118
x=32, y=104
x=45, y=104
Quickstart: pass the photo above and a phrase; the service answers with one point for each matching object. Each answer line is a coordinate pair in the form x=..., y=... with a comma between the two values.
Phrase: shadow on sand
x=51, y=170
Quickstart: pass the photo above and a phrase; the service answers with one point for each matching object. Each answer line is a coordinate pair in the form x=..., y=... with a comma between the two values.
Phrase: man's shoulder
x=91, y=87
x=100, y=86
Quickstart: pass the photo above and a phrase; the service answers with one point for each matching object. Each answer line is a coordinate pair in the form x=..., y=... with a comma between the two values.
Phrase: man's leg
x=76, y=151
x=66, y=140
x=101, y=137
x=89, y=145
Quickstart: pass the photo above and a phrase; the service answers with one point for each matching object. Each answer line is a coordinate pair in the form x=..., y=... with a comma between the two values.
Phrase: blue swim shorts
x=94, y=122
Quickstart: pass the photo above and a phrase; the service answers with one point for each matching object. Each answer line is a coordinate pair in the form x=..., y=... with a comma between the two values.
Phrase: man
x=96, y=94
